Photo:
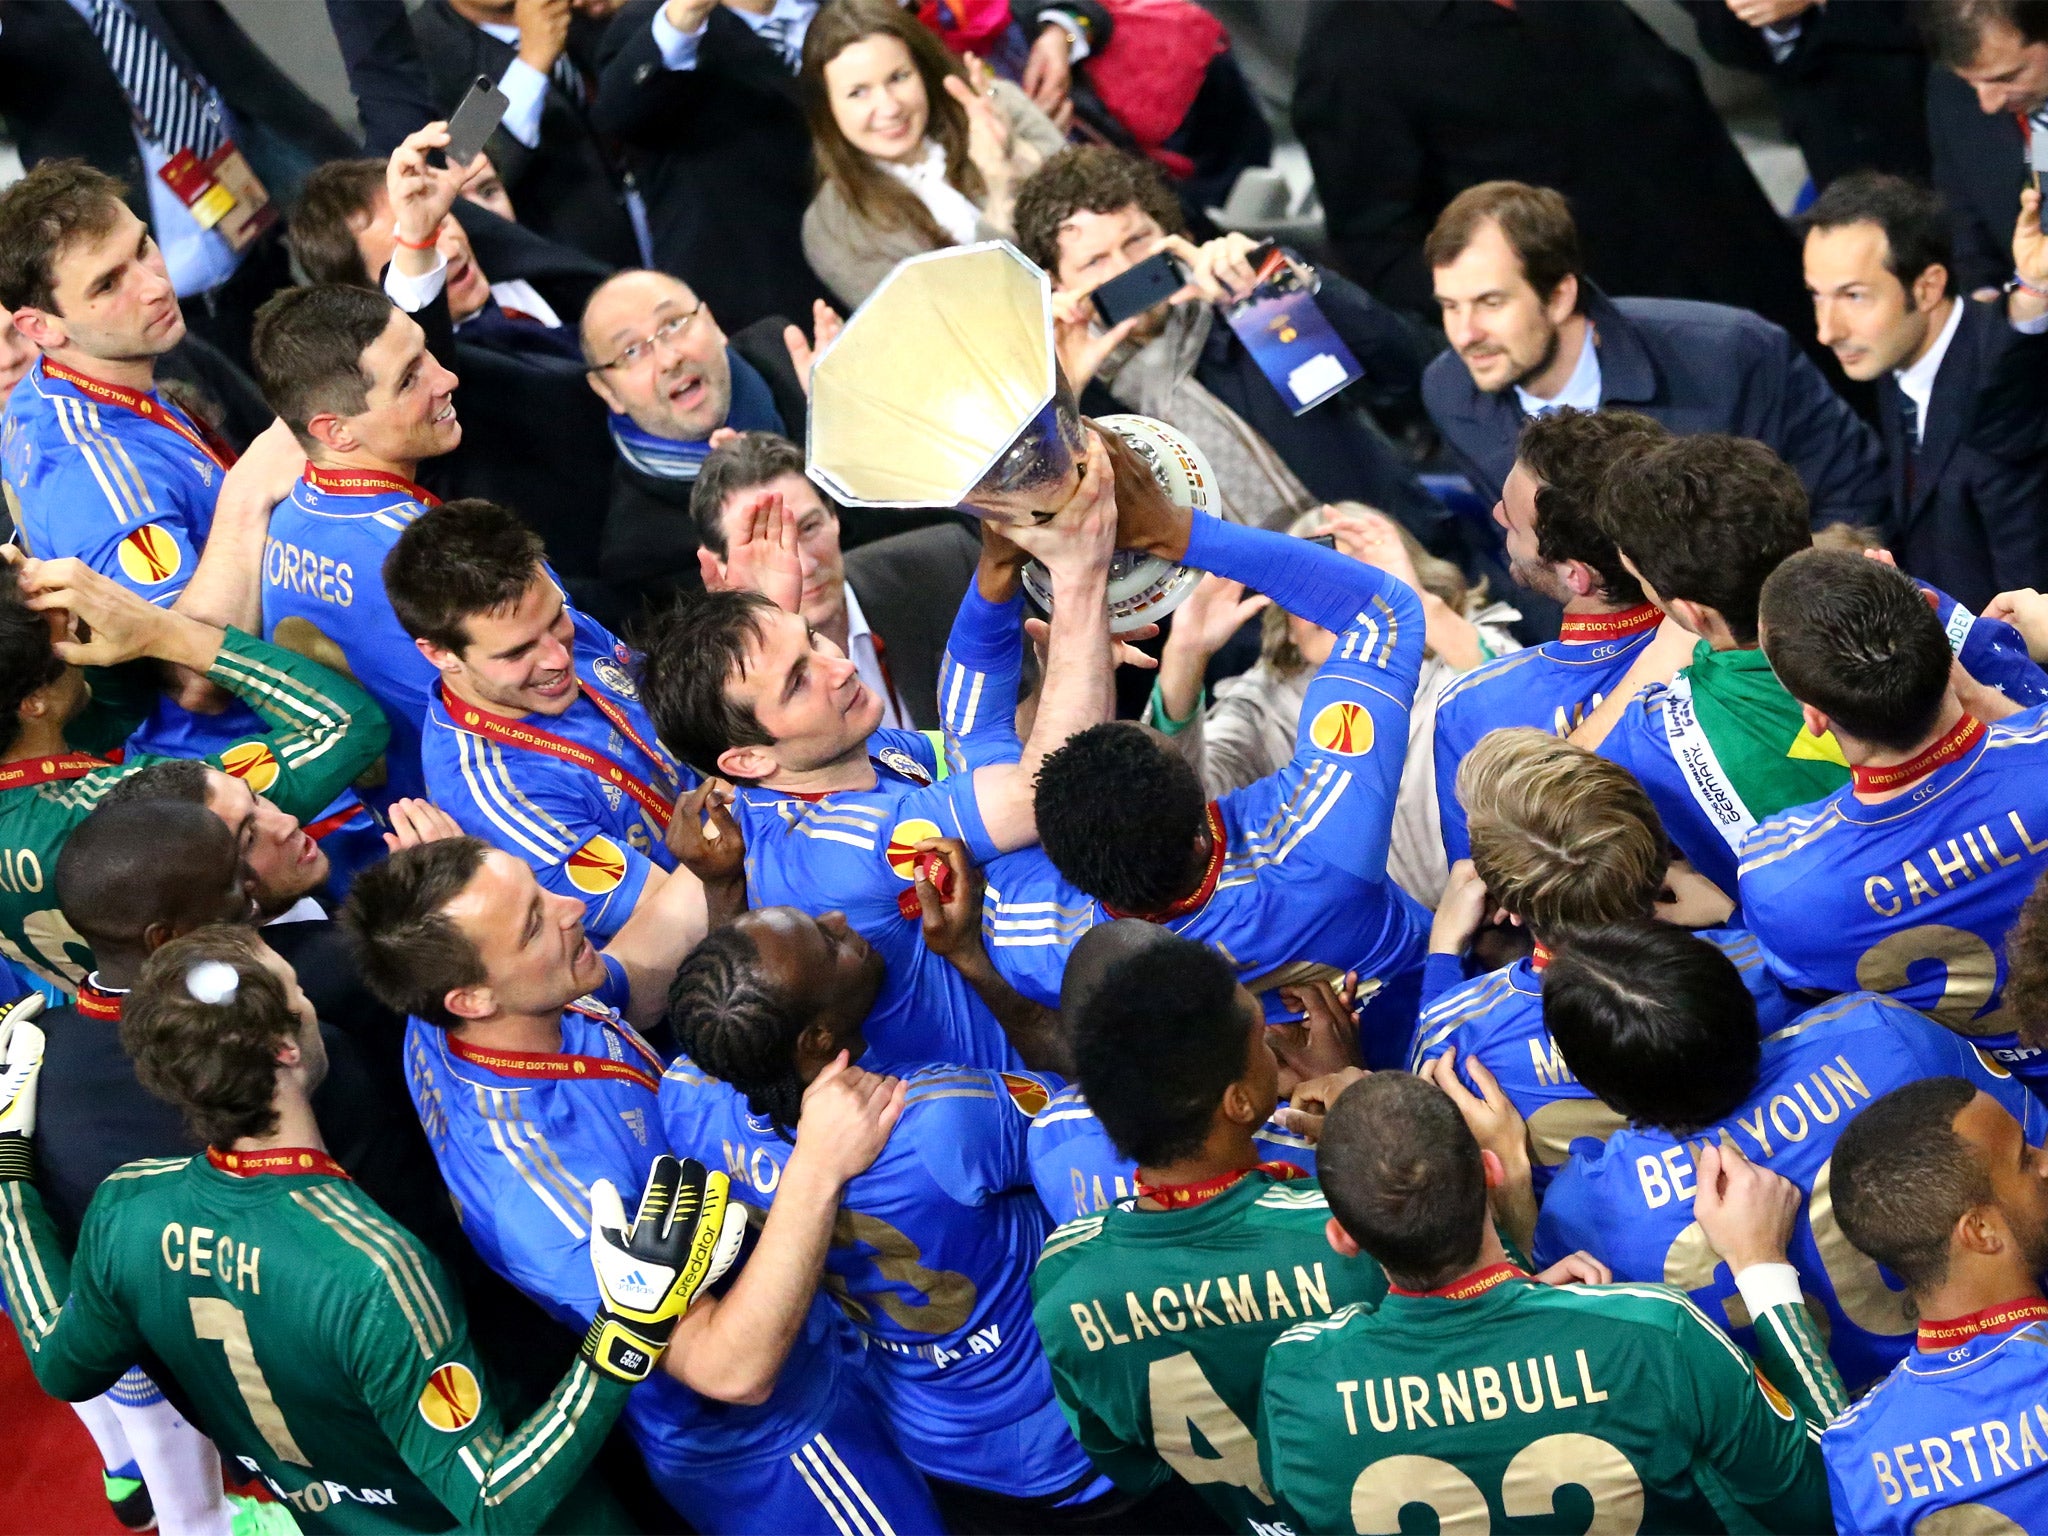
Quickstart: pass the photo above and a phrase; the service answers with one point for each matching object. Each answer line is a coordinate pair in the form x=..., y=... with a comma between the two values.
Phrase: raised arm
x=324, y=729
x=1079, y=690
x=732, y=1347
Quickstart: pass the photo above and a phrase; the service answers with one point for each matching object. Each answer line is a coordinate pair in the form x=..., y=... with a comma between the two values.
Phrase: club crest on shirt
x=1027, y=1094
x=903, y=840
x=615, y=677
x=253, y=763
x=1780, y=1404
x=597, y=867
x=451, y=1398
x=1344, y=727
x=150, y=555
x=897, y=760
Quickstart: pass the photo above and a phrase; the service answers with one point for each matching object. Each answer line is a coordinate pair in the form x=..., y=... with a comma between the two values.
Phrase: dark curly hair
x=1087, y=178
x=1118, y=815
x=28, y=657
x=1569, y=453
x=730, y=1022
x=1705, y=519
x=1156, y=1044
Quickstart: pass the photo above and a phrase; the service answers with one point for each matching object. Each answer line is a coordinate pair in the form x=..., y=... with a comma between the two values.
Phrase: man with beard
x=1557, y=550
x=1936, y=1182
x=1531, y=332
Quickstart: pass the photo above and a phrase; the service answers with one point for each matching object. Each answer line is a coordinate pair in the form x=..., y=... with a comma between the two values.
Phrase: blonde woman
x=1248, y=732
x=914, y=150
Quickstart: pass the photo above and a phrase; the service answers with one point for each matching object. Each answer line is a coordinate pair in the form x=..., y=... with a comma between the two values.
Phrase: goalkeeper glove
x=21, y=1064
x=684, y=1236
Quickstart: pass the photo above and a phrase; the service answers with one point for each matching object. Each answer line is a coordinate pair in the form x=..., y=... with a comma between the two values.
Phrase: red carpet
x=50, y=1476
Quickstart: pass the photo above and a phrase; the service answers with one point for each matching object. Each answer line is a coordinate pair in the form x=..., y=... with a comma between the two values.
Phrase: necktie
x=1909, y=424
x=776, y=31
x=175, y=109
x=569, y=79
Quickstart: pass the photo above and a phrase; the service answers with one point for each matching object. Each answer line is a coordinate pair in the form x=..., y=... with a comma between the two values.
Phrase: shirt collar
x=1917, y=382
x=787, y=10
x=1581, y=391
x=504, y=32
x=305, y=910
x=857, y=627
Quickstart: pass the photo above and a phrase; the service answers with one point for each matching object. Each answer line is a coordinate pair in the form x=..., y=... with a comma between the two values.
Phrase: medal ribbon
x=1180, y=1196
x=195, y=432
x=1583, y=628
x=481, y=722
x=1967, y=732
x=70, y=765
x=1195, y=899
x=279, y=1160
x=554, y=1065
x=1948, y=1332
x=97, y=1004
x=365, y=482
x=1478, y=1283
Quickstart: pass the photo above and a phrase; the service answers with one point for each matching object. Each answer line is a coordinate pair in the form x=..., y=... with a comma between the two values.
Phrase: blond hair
x=1561, y=837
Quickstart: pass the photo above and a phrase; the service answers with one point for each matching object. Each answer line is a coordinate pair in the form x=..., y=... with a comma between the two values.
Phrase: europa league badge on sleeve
x=944, y=390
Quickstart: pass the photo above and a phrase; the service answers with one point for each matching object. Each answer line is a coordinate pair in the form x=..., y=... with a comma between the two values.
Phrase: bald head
x=1101, y=949
x=137, y=874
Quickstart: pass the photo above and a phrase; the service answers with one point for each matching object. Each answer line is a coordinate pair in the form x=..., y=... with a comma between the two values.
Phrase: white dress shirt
x=679, y=49
x=1581, y=391
x=1917, y=382
x=867, y=661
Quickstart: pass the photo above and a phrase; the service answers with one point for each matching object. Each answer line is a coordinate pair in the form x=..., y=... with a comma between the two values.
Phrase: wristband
x=426, y=245
x=1163, y=723
x=1764, y=1286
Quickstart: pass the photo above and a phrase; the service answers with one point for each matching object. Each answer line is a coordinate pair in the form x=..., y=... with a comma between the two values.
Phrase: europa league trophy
x=944, y=391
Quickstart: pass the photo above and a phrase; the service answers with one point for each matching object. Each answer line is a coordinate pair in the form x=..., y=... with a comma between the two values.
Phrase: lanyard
x=279, y=1160
x=1966, y=733
x=1194, y=900
x=1465, y=1287
x=482, y=722
x=366, y=482
x=561, y=1066
x=1945, y=1333
x=72, y=765
x=1580, y=628
x=1180, y=1196
x=197, y=433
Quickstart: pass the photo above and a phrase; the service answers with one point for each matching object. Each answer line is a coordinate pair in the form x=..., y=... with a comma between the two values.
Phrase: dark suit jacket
x=1850, y=91
x=910, y=586
x=61, y=97
x=1402, y=107
x=571, y=186
x=1696, y=368
x=1976, y=522
x=1980, y=164
x=725, y=163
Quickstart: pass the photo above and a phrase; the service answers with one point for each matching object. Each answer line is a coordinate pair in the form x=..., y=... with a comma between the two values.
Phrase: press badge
x=1290, y=337
x=222, y=192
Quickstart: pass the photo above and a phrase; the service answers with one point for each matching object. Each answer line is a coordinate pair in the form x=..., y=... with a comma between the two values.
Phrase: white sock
x=104, y=1425
x=179, y=1464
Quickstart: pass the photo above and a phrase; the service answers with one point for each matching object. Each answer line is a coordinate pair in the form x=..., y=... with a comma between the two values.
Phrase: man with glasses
x=673, y=381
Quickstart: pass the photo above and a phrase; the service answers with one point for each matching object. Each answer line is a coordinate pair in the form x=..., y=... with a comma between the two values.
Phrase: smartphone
x=1151, y=282
x=475, y=120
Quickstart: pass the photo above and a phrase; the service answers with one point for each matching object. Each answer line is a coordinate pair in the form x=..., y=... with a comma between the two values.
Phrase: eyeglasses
x=641, y=350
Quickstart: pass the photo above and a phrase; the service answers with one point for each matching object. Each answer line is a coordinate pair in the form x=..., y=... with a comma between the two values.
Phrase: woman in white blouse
x=913, y=151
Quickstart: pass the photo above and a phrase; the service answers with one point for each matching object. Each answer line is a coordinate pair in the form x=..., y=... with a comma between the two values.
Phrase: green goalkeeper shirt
x=1504, y=1405
x=1157, y=1325
x=315, y=1340
x=324, y=731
